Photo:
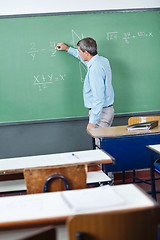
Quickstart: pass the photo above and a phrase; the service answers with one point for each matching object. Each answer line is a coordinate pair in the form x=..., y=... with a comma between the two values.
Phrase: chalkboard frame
x=78, y=12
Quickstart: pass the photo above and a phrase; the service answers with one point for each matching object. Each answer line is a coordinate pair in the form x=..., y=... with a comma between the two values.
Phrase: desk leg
x=102, y=165
x=93, y=143
x=94, y=147
x=123, y=176
x=153, y=178
x=134, y=175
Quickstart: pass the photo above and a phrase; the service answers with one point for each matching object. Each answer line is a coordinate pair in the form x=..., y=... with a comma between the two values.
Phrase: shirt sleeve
x=96, y=76
x=74, y=52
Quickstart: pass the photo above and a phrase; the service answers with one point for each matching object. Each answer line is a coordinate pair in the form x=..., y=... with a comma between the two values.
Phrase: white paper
x=138, y=128
x=92, y=198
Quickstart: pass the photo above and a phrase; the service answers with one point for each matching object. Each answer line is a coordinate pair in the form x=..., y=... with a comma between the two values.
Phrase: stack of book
x=92, y=198
x=143, y=126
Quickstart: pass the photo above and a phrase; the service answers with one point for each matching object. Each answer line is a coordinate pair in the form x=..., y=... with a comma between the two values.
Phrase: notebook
x=143, y=126
x=92, y=198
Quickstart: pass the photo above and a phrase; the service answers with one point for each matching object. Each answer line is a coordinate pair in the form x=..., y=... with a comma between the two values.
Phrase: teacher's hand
x=91, y=125
x=62, y=46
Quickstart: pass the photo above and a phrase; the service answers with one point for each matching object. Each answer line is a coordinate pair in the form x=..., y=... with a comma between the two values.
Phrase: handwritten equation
x=34, y=51
x=75, y=38
x=83, y=71
x=51, y=50
x=128, y=36
x=44, y=80
x=82, y=67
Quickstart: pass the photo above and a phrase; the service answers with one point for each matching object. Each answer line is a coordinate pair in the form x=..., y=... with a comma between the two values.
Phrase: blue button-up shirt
x=97, y=90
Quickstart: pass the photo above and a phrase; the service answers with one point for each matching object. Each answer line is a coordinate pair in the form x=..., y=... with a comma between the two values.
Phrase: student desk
x=154, y=154
x=51, y=208
x=80, y=157
x=128, y=147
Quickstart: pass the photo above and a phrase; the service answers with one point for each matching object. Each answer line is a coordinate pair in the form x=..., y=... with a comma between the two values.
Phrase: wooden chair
x=35, y=178
x=134, y=120
x=122, y=225
x=141, y=119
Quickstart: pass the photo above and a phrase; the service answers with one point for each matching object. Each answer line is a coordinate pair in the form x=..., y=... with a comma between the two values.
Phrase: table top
x=79, y=157
x=155, y=148
x=119, y=131
x=46, y=208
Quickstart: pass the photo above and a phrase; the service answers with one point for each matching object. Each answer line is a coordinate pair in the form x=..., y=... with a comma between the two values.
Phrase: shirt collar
x=89, y=64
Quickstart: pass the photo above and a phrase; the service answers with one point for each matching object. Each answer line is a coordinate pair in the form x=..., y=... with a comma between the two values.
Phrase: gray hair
x=89, y=45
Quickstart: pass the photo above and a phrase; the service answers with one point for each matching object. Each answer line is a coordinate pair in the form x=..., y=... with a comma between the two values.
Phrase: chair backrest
x=122, y=225
x=35, y=178
x=134, y=120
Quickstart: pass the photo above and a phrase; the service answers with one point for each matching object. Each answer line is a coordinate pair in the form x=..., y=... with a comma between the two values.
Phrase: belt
x=104, y=107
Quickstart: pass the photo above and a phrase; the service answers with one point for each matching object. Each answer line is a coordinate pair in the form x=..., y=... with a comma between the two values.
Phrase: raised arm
x=62, y=46
x=73, y=51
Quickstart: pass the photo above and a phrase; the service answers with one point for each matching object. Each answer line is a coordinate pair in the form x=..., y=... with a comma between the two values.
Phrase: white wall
x=11, y=7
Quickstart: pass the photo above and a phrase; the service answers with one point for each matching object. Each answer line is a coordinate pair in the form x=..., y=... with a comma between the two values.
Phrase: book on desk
x=92, y=198
x=143, y=126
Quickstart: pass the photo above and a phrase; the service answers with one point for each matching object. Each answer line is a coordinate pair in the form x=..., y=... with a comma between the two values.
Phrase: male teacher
x=98, y=92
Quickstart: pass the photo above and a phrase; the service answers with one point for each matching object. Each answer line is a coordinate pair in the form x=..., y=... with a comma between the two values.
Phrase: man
x=98, y=92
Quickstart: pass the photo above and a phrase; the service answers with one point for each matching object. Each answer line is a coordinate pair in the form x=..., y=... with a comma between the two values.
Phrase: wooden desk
x=128, y=147
x=53, y=160
x=81, y=157
x=51, y=208
x=154, y=154
x=119, y=131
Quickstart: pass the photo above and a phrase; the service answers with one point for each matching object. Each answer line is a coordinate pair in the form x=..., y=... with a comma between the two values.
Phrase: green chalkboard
x=39, y=82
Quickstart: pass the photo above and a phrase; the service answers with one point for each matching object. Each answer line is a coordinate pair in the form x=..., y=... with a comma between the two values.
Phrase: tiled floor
x=147, y=188
x=141, y=174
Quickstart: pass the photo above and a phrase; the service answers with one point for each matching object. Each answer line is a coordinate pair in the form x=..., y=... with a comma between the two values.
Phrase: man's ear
x=87, y=53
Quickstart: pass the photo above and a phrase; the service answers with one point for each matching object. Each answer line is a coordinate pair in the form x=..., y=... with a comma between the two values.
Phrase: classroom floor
x=147, y=189
x=141, y=174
